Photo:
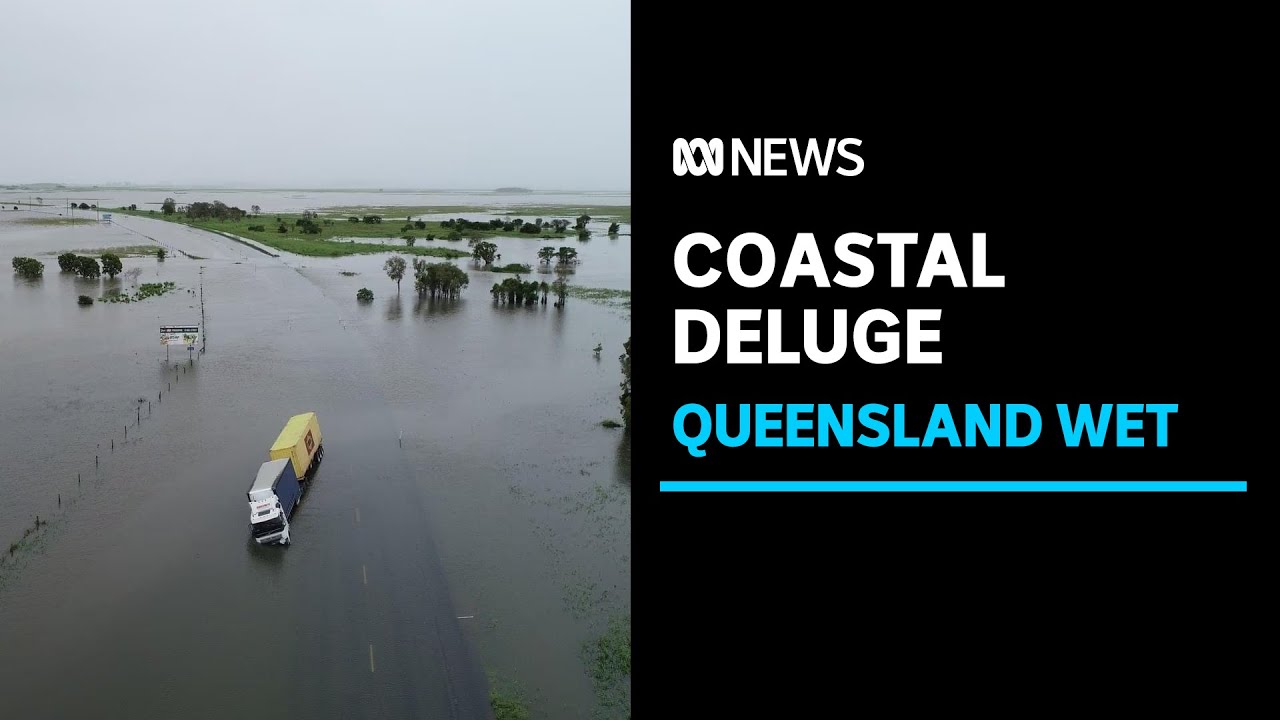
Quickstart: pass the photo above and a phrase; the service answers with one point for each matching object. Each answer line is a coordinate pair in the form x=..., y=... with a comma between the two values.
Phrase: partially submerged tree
x=364, y=295
x=395, y=267
x=111, y=265
x=514, y=291
x=169, y=207
x=546, y=254
x=87, y=267
x=438, y=279
x=160, y=253
x=561, y=289
x=67, y=262
x=613, y=228
x=485, y=252
x=567, y=255
x=28, y=267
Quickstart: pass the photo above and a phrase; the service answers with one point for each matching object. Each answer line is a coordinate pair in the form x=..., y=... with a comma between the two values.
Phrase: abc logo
x=709, y=157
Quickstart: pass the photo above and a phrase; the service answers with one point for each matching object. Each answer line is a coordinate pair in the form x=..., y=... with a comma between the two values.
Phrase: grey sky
x=318, y=93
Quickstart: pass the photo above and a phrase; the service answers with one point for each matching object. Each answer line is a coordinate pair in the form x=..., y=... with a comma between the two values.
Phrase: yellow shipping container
x=300, y=442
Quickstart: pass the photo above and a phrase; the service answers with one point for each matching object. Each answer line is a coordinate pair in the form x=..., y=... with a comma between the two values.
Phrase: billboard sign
x=179, y=335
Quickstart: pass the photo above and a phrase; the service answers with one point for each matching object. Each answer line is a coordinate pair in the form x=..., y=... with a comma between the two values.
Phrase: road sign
x=187, y=335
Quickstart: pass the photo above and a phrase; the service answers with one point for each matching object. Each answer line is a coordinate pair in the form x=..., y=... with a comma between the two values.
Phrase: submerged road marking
x=364, y=570
x=370, y=657
x=465, y=617
x=357, y=516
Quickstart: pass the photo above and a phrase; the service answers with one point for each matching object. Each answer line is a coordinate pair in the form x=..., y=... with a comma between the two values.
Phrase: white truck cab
x=272, y=499
x=266, y=518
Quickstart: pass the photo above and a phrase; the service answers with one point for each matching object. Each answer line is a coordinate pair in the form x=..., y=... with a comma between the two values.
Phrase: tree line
x=514, y=291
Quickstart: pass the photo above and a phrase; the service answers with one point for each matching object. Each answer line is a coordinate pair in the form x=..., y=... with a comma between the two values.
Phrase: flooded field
x=468, y=532
x=298, y=200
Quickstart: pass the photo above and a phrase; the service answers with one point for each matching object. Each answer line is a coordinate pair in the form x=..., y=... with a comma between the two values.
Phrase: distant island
x=513, y=190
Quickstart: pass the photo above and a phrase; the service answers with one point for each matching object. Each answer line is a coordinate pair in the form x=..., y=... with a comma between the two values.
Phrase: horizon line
x=246, y=186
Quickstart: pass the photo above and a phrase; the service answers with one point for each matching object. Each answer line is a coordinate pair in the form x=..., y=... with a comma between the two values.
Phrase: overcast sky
x=431, y=94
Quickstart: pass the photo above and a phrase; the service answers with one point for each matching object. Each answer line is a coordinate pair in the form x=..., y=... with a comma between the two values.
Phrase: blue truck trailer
x=272, y=498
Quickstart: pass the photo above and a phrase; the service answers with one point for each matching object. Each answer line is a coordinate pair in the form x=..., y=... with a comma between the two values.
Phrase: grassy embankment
x=56, y=220
x=122, y=251
x=333, y=240
x=339, y=236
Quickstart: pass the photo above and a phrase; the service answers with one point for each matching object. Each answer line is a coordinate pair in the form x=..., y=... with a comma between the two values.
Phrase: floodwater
x=469, y=528
x=298, y=200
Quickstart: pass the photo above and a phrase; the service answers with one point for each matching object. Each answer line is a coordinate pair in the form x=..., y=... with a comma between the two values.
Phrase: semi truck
x=281, y=481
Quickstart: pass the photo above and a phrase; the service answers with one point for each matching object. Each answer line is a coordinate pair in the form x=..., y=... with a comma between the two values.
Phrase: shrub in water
x=28, y=267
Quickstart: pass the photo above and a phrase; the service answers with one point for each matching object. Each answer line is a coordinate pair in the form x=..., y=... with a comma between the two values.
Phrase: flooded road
x=471, y=516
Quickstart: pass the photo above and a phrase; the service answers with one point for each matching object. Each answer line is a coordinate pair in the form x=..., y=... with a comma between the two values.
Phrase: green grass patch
x=511, y=268
x=507, y=707
x=508, y=700
x=123, y=251
x=609, y=664
x=145, y=290
x=56, y=221
x=604, y=296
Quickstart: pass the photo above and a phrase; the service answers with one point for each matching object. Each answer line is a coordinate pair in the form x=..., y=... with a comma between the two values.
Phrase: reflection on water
x=394, y=307
x=432, y=307
x=266, y=558
x=622, y=459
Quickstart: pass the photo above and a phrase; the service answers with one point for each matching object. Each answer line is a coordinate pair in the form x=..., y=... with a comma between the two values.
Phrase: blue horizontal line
x=954, y=486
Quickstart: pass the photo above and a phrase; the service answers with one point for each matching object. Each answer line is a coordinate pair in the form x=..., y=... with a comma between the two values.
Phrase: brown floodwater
x=471, y=516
